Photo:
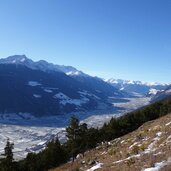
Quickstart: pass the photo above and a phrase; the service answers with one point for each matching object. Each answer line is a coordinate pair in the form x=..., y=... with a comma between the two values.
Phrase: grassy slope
x=135, y=151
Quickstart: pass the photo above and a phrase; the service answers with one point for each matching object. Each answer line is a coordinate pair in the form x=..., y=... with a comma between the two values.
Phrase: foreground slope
x=146, y=149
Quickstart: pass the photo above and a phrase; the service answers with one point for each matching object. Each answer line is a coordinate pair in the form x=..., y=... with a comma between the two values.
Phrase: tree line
x=80, y=138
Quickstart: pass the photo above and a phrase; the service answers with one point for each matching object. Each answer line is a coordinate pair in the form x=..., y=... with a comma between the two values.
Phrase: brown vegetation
x=143, y=148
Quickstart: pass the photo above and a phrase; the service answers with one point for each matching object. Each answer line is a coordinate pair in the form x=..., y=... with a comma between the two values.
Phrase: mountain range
x=43, y=88
x=137, y=88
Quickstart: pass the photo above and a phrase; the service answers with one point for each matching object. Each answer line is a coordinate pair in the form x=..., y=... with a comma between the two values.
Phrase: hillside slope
x=146, y=149
x=24, y=90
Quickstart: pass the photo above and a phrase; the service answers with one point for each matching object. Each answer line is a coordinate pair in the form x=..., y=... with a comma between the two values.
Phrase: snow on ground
x=151, y=146
x=135, y=143
x=27, y=139
x=153, y=91
x=130, y=157
x=97, y=166
x=64, y=99
x=30, y=134
x=158, y=166
x=168, y=123
x=48, y=90
x=33, y=83
x=37, y=96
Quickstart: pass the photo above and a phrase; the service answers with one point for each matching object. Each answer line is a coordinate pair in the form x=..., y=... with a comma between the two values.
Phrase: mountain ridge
x=137, y=88
x=47, y=90
x=41, y=65
x=69, y=70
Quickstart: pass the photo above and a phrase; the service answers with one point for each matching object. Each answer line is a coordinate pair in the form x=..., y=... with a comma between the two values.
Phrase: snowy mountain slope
x=136, y=87
x=162, y=94
x=126, y=87
x=34, y=91
x=94, y=82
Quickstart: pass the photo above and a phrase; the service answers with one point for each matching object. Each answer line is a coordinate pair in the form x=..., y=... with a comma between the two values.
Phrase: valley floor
x=30, y=134
x=146, y=149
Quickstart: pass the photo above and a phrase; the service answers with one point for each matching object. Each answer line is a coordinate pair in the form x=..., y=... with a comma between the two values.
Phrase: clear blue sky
x=129, y=39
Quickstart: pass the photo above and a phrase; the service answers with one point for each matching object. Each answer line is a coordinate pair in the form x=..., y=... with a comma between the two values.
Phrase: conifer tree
x=73, y=136
x=7, y=162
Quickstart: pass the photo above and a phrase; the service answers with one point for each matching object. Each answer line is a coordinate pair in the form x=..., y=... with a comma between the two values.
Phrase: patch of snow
x=64, y=99
x=168, y=123
x=34, y=83
x=122, y=141
x=79, y=156
x=74, y=73
x=158, y=166
x=37, y=96
x=103, y=153
x=23, y=59
x=130, y=82
x=48, y=90
x=61, y=96
x=120, y=161
x=159, y=134
x=157, y=153
x=130, y=157
x=151, y=146
x=133, y=145
x=97, y=166
x=153, y=91
x=168, y=140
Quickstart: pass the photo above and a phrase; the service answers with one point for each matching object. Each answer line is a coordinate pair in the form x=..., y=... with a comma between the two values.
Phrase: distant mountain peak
x=121, y=81
x=41, y=65
x=137, y=87
x=14, y=59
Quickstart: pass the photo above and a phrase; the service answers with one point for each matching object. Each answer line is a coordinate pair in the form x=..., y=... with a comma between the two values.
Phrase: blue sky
x=129, y=39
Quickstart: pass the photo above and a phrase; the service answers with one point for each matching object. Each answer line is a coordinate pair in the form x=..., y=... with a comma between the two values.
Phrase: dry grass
x=133, y=152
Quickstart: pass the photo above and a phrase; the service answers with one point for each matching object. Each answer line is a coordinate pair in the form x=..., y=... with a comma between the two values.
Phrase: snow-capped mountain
x=120, y=81
x=41, y=65
x=154, y=91
x=164, y=94
x=42, y=88
x=137, y=87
